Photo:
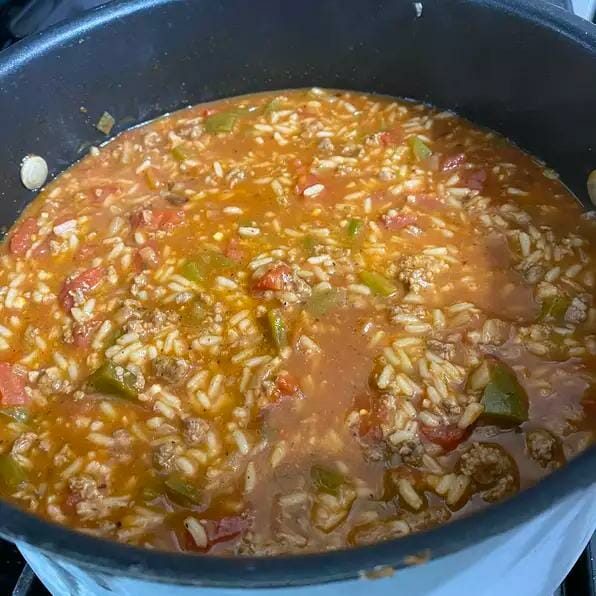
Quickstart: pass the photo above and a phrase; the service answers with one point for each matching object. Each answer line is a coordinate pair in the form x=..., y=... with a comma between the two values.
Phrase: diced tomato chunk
x=397, y=221
x=287, y=384
x=476, y=179
x=166, y=218
x=156, y=219
x=448, y=437
x=385, y=138
x=452, y=162
x=22, y=238
x=393, y=136
x=219, y=530
x=233, y=250
x=12, y=386
x=277, y=278
x=80, y=284
x=286, y=389
x=226, y=528
x=140, y=219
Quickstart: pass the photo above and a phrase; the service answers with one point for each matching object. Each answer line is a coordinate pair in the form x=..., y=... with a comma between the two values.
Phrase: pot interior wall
x=506, y=72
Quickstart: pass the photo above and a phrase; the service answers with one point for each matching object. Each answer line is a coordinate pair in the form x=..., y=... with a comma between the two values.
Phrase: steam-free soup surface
x=293, y=322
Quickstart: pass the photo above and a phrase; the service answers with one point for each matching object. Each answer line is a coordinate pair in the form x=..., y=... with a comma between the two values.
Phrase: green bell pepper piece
x=554, y=308
x=503, y=398
x=11, y=472
x=181, y=153
x=277, y=329
x=17, y=414
x=354, y=227
x=181, y=491
x=192, y=270
x=309, y=243
x=321, y=301
x=326, y=480
x=193, y=314
x=112, y=379
x=273, y=106
x=152, y=179
x=205, y=264
x=377, y=283
x=419, y=148
x=221, y=122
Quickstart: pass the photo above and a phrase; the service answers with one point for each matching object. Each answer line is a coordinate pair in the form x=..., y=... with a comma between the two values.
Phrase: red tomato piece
x=451, y=162
x=393, y=136
x=156, y=219
x=286, y=384
x=397, y=221
x=233, y=250
x=277, y=278
x=12, y=386
x=226, y=528
x=385, y=138
x=476, y=179
x=80, y=284
x=286, y=389
x=219, y=530
x=448, y=437
x=22, y=238
x=141, y=219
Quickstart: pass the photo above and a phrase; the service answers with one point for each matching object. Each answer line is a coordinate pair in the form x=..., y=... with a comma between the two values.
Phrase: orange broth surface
x=291, y=322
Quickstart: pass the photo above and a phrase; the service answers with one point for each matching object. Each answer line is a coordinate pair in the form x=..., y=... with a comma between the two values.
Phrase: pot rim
x=100, y=555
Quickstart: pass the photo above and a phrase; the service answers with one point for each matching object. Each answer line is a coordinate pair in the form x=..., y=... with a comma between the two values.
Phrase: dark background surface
x=20, y=18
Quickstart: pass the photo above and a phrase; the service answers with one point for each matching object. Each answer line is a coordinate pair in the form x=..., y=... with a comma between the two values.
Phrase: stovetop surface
x=19, y=18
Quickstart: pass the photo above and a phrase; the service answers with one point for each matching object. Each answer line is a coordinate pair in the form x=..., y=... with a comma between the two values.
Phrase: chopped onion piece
x=105, y=123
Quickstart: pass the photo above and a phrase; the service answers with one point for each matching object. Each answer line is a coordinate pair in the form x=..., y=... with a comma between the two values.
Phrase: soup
x=293, y=322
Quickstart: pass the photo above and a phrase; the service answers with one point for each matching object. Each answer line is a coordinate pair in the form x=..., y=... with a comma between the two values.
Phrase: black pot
x=527, y=70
